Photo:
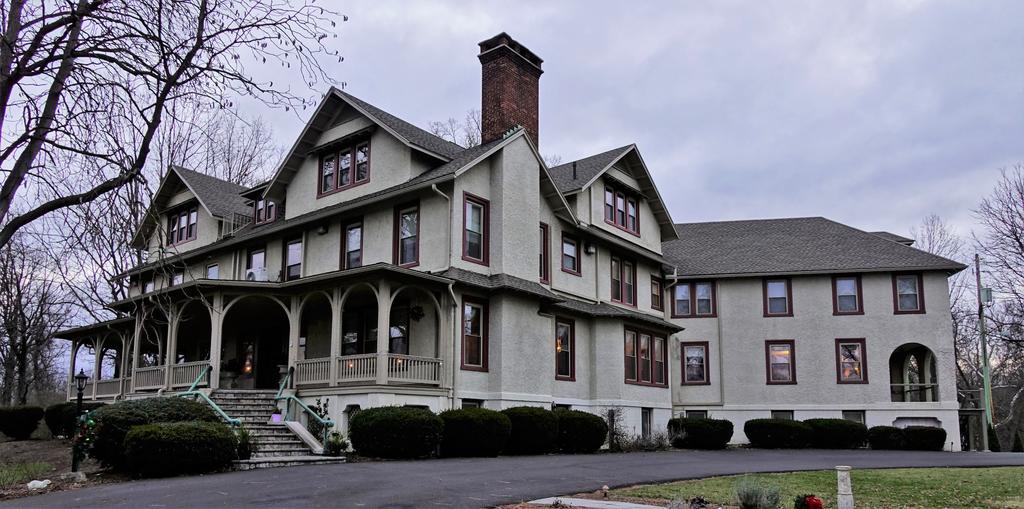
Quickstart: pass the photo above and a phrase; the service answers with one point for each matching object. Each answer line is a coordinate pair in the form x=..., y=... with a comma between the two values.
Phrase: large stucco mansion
x=383, y=265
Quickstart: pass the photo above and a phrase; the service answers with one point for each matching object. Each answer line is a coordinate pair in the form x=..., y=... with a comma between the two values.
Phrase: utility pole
x=986, y=385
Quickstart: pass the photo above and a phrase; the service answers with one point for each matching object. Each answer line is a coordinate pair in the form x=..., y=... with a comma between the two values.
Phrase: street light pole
x=986, y=385
x=80, y=380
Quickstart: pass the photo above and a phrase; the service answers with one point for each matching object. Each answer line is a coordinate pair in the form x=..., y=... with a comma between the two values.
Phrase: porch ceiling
x=124, y=324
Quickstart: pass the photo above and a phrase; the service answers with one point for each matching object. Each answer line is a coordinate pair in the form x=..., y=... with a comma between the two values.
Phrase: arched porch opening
x=413, y=337
x=193, y=335
x=912, y=374
x=359, y=320
x=254, y=342
x=151, y=365
x=315, y=327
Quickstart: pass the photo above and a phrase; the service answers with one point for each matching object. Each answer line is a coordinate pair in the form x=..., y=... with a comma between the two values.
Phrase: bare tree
x=96, y=78
x=465, y=132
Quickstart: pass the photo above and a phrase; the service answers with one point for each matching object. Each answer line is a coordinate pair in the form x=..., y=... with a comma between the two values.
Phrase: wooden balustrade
x=149, y=378
x=108, y=388
x=411, y=369
x=313, y=371
x=357, y=368
x=184, y=374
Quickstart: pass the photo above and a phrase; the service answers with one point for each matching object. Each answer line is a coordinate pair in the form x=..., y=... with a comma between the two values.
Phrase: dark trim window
x=785, y=415
x=182, y=226
x=855, y=416
x=345, y=168
x=565, y=349
x=570, y=255
x=545, y=253
x=266, y=211
x=293, y=259
x=474, y=334
x=657, y=295
x=213, y=271
x=696, y=414
x=407, y=236
x=694, y=356
x=694, y=299
x=352, y=252
x=257, y=259
x=847, y=295
x=907, y=294
x=780, y=361
x=472, y=403
x=851, y=361
x=622, y=210
x=778, y=297
x=623, y=281
x=645, y=357
x=475, y=226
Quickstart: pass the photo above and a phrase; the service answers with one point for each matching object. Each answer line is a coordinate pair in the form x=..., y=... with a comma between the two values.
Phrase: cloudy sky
x=871, y=113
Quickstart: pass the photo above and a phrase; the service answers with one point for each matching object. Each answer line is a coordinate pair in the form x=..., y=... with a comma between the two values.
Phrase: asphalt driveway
x=474, y=482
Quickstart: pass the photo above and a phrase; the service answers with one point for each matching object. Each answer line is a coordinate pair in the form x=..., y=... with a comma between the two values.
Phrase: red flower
x=813, y=502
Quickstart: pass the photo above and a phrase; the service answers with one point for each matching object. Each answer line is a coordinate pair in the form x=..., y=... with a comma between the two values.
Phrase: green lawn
x=12, y=475
x=876, y=489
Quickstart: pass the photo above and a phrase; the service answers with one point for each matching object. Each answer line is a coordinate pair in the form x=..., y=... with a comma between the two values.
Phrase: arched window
x=912, y=374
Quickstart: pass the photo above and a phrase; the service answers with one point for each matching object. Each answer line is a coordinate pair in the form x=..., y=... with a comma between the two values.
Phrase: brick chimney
x=511, y=82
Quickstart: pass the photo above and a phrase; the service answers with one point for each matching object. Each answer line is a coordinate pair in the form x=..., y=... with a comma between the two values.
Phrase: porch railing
x=914, y=392
x=149, y=378
x=108, y=388
x=357, y=368
x=410, y=369
x=184, y=374
x=363, y=368
x=313, y=371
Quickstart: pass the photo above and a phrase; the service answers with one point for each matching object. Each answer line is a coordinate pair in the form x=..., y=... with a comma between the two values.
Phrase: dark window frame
x=252, y=251
x=484, y=323
x=285, y=267
x=768, y=361
x=571, y=377
x=178, y=235
x=789, y=296
x=655, y=336
x=659, y=303
x=622, y=272
x=862, y=342
x=692, y=311
x=545, y=253
x=265, y=213
x=217, y=265
x=345, y=227
x=628, y=197
x=920, y=294
x=351, y=151
x=485, y=219
x=835, y=295
x=682, y=361
x=396, y=240
x=578, y=266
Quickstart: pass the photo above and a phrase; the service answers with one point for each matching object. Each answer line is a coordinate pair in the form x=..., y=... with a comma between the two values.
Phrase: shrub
x=924, y=438
x=689, y=433
x=777, y=433
x=580, y=432
x=885, y=437
x=336, y=444
x=395, y=432
x=474, y=432
x=20, y=421
x=113, y=422
x=656, y=441
x=752, y=494
x=244, y=451
x=534, y=430
x=174, y=448
x=61, y=418
x=837, y=433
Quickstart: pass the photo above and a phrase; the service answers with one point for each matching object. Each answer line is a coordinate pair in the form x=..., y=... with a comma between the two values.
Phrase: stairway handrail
x=289, y=398
x=200, y=394
x=199, y=379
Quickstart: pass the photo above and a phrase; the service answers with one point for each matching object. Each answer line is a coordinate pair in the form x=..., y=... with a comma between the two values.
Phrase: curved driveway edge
x=482, y=482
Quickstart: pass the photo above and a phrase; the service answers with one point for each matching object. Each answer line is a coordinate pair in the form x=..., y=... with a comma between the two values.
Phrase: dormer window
x=266, y=211
x=622, y=210
x=182, y=226
x=347, y=167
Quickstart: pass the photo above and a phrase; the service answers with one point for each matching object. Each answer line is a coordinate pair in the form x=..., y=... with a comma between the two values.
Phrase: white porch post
x=135, y=346
x=336, y=312
x=121, y=389
x=293, y=331
x=216, y=322
x=71, y=374
x=172, y=345
x=383, y=330
x=97, y=362
x=445, y=348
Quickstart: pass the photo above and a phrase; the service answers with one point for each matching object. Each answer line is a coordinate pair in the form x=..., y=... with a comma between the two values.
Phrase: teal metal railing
x=192, y=392
x=325, y=423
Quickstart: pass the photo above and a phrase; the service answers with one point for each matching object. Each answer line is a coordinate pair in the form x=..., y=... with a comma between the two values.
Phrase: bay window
x=645, y=358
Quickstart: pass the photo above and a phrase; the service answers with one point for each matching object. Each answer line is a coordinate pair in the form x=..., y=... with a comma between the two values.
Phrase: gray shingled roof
x=498, y=282
x=586, y=169
x=609, y=311
x=221, y=197
x=895, y=238
x=413, y=134
x=790, y=246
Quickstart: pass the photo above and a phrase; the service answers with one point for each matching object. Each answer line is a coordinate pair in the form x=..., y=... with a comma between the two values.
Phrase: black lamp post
x=80, y=380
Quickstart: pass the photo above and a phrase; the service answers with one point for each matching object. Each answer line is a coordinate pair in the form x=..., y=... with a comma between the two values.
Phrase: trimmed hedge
x=19, y=422
x=885, y=437
x=395, y=432
x=534, y=430
x=778, y=434
x=113, y=422
x=474, y=432
x=580, y=432
x=61, y=418
x=837, y=433
x=692, y=433
x=924, y=438
x=175, y=448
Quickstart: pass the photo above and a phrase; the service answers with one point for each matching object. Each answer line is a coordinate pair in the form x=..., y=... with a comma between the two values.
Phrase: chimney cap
x=504, y=40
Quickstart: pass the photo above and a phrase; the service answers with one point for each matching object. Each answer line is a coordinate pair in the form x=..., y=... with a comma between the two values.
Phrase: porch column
x=216, y=319
x=445, y=342
x=71, y=374
x=383, y=330
x=336, y=312
x=97, y=362
x=172, y=345
x=121, y=389
x=293, y=331
x=135, y=346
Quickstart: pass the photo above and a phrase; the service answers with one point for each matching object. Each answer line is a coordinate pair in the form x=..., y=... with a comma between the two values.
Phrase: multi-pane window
x=777, y=297
x=398, y=330
x=623, y=281
x=407, y=234
x=293, y=260
x=474, y=335
x=353, y=255
x=695, y=363
x=182, y=226
x=846, y=296
x=646, y=422
x=345, y=168
x=693, y=299
x=851, y=365
x=474, y=236
x=656, y=294
x=565, y=347
x=621, y=210
x=257, y=259
x=545, y=261
x=212, y=271
x=786, y=415
x=266, y=211
x=645, y=357
x=781, y=368
x=570, y=255
x=908, y=293
x=854, y=415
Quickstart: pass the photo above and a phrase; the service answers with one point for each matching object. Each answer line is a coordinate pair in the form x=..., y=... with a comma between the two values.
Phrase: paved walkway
x=474, y=482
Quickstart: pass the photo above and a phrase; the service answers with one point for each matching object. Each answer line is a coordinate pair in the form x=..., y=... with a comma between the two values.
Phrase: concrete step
x=287, y=461
x=275, y=447
x=244, y=401
x=262, y=440
x=295, y=451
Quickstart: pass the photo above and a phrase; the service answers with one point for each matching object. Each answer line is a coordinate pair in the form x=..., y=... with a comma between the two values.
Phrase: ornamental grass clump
x=754, y=494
